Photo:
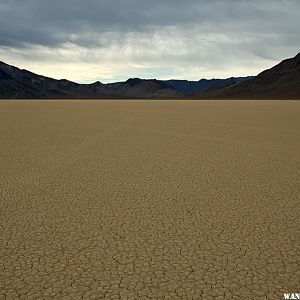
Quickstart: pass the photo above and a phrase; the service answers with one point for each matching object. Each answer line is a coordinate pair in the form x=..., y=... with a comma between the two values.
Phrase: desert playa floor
x=149, y=199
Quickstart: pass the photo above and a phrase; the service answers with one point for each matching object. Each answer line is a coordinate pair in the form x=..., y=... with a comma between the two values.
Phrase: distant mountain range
x=279, y=82
x=181, y=87
x=22, y=84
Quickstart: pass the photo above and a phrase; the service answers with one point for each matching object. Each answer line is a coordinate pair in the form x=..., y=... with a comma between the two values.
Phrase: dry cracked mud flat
x=149, y=199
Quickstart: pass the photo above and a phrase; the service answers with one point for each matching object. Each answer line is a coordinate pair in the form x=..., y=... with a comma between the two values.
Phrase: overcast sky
x=112, y=40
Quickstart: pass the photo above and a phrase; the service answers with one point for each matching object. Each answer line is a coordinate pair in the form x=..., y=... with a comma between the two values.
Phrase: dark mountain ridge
x=280, y=82
x=191, y=87
x=23, y=84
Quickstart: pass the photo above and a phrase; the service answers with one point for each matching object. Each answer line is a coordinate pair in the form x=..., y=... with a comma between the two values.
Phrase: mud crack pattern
x=149, y=199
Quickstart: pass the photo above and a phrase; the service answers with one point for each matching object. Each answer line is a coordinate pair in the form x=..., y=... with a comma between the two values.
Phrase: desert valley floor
x=149, y=199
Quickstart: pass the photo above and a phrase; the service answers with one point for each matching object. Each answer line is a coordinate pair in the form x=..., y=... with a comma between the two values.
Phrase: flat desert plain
x=149, y=199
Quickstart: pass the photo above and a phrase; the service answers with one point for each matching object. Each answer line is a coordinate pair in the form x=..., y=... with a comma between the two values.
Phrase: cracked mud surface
x=149, y=200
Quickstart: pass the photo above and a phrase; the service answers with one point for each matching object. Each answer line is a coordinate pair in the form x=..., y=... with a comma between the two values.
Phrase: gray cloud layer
x=195, y=30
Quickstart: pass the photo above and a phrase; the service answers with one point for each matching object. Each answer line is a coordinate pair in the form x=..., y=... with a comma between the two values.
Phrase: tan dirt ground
x=149, y=199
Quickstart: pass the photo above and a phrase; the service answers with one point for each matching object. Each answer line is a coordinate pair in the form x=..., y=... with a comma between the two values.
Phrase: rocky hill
x=280, y=82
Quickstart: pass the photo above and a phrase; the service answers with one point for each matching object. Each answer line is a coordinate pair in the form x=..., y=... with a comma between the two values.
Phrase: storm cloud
x=111, y=40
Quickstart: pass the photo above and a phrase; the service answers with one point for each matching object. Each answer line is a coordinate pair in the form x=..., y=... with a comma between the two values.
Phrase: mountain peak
x=97, y=83
x=133, y=81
